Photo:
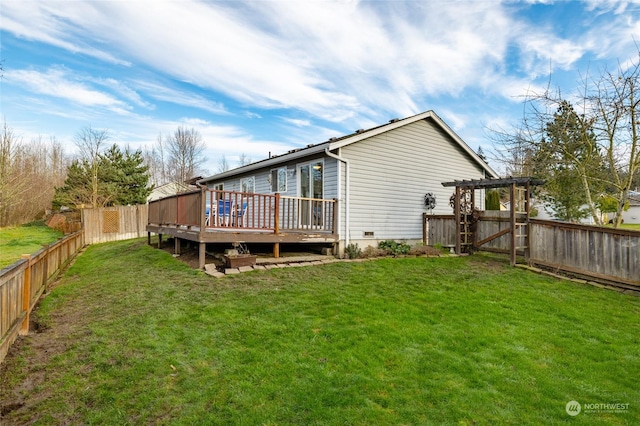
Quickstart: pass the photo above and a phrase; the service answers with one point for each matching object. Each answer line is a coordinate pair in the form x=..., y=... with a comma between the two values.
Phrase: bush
x=352, y=251
x=395, y=248
x=371, y=251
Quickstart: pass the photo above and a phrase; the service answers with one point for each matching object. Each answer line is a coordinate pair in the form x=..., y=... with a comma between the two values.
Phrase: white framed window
x=248, y=184
x=218, y=187
x=279, y=179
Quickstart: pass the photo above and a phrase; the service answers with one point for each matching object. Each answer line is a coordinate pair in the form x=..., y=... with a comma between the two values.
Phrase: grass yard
x=27, y=239
x=132, y=336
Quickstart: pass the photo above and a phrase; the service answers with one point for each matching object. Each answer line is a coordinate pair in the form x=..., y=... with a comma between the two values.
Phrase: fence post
x=26, y=296
x=45, y=273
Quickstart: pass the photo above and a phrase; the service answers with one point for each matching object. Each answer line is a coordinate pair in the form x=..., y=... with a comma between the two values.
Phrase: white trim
x=286, y=179
x=253, y=179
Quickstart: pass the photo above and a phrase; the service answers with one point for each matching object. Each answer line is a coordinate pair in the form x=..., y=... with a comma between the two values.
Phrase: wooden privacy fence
x=599, y=253
x=114, y=223
x=22, y=284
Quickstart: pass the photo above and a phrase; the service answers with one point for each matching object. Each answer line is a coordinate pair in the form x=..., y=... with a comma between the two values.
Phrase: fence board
x=604, y=254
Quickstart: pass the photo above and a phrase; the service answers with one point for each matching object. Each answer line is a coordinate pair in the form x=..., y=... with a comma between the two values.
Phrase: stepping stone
x=231, y=271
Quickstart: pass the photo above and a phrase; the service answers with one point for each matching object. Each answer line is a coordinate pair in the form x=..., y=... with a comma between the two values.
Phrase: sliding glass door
x=311, y=187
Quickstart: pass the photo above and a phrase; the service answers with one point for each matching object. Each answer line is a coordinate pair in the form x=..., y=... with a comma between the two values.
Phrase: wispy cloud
x=180, y=97
x=60, y=83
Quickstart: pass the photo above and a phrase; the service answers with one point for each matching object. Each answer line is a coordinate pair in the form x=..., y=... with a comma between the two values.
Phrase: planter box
x=236, y=261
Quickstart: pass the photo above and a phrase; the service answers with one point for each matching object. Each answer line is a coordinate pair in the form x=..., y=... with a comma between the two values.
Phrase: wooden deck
x=212, y=216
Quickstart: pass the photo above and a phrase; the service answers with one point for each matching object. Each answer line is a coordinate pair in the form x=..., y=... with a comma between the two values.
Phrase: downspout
x=346, y=193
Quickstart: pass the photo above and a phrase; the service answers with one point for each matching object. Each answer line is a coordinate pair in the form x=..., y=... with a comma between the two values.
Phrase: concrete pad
x=215, y=274
x=269, y=266
x=282, y=265
x=210, y=268
x=231, y=271
x=245, y=268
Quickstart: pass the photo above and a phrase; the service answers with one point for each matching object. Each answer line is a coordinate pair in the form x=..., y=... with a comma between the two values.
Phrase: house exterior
x=168, y=189
x=378, y=176
x=632, y=215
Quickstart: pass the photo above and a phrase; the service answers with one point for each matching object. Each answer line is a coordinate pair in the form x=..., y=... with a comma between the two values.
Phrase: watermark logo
x=573, y=408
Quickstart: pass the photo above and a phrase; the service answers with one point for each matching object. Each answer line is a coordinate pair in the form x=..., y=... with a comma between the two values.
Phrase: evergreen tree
x=122, y=179
x=569, y=160
x=492, y=200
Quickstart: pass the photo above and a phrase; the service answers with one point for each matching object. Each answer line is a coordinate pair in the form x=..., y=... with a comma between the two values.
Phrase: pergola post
x=527, y=209
x=512, y=217
x=456, y=213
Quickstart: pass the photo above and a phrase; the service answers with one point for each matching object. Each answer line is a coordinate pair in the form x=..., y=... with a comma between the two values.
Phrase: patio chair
x=242, y=215
x=224, y=213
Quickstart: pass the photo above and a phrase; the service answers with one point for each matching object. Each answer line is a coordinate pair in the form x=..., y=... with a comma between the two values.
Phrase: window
x=248, y=184
x=218, y=187
x=279, y=180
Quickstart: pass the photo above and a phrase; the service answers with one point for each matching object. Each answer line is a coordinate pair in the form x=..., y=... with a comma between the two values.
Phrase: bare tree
x=91, y=142
x=615, y=105
x=23, y=167
x=186, y=153
x=243, y=160
x=223, y=164
x=156, y=160
x=13, y=188
x=597, y=145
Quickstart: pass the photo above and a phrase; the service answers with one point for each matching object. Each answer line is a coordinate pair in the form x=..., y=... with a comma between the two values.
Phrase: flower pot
x=238, y=260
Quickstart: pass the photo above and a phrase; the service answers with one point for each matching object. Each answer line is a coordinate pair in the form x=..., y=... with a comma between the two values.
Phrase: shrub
x=371, y=251
x=352, y=251
x=395, y=248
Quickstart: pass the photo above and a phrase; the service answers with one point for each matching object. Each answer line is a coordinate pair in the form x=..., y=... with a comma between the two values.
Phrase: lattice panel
x=111, y=221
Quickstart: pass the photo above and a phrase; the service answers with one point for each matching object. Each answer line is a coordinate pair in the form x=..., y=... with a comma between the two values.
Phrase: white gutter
x=346, y=194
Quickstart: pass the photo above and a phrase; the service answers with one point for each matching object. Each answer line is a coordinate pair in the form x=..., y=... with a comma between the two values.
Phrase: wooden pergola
x=464, y=208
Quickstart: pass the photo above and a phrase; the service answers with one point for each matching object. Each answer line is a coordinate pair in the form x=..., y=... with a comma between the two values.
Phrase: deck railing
x=216, y=209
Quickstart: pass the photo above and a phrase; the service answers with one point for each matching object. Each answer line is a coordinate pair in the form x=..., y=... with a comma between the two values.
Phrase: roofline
x=332, y=145
x=279, y=159
x=394, y=124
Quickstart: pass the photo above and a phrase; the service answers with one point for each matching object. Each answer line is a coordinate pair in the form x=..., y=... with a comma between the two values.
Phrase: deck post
x=159, y=241
x=176, y=249
x=457, y=214
x=148, y=238
x=276, y=249
x=202, y=249
x=512, y=217
x=276, y=215
x=527, y=209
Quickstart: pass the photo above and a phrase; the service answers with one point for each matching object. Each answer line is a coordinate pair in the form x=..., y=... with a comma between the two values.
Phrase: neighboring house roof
x=168, y=189
x=339, y=142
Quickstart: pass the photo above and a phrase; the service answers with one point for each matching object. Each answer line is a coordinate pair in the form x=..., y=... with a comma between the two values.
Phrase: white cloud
x=297, y=121
x=179, y=97
x=59, y=83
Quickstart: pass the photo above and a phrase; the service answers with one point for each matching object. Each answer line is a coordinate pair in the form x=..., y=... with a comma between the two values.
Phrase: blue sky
x=268, y=76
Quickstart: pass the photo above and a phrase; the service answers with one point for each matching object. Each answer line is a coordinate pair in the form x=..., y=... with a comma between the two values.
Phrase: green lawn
x=132, y=336
x=27, y=239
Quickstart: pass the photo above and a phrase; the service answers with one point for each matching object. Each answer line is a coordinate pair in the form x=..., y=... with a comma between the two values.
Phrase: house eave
x=267, y=162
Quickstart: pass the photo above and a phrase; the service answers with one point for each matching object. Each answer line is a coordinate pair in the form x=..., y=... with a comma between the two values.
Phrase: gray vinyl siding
x=390, y=174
